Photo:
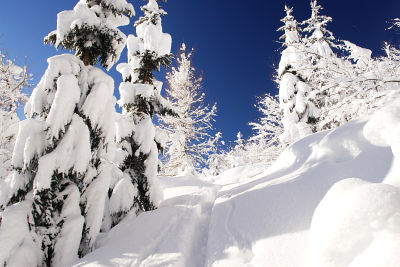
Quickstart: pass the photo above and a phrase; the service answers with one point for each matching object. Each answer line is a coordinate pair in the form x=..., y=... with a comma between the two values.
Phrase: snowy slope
x=248, y=216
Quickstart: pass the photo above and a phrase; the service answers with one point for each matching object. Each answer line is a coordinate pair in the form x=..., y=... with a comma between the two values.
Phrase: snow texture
x=356, y=224
x=249, y=216
x=18, y=247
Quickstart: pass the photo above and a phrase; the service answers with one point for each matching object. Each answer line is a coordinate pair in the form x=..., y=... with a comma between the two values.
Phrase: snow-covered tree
x=190, y=141
x=140, y=100
x=299, y=113
x=13, y=79
x=90, y=30
x=361, y=85
x=316, y=27
x=356, y=83
x=54, y=201
x=264, y=145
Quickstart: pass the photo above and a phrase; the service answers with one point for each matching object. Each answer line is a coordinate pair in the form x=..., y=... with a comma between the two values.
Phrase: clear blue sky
x=235, y=42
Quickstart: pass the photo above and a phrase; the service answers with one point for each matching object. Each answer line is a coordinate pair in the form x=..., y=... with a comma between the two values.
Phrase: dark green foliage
x=91, y=43
x=150, y=62
x=134, y=164
x=101, y=39
x=115, y=11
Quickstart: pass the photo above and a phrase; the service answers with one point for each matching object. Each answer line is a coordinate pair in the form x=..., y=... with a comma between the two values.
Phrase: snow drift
x=325, y=202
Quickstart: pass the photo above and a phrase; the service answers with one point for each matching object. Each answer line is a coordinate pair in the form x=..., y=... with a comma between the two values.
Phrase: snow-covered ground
x=302, y=211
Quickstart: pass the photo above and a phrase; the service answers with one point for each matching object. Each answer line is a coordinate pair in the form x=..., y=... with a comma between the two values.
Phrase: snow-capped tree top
x=91, y=30
x=290, y=28
x=150, y=49
x=316, y=25
x=149, y=33
x=239, y=140
x=152, y=13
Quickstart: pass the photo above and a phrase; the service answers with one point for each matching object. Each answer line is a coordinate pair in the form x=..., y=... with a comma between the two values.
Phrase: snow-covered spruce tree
x=13, y=79
x=264, y=145
x=318, y=35
x=55, y=198
x=190, y=142
x=140, y=100
x=299, y=113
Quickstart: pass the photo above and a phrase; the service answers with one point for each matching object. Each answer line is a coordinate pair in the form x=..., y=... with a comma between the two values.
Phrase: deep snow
x=248, y=216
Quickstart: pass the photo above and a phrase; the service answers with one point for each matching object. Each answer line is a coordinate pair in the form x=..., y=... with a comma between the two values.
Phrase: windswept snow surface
x=249, y=216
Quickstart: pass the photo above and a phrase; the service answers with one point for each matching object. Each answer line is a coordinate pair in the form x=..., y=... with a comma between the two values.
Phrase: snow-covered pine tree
x=12, y=79
x=323, y=67
x=299, y=113
x=190, y=141
x=55, y=198
x=318, y=34
x=140, y=100
x=264, y=145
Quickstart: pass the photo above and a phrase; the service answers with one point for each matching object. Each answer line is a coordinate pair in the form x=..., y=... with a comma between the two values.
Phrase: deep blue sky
x=235, y=42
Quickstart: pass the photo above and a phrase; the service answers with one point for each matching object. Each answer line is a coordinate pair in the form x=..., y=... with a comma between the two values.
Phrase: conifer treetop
x=290, y=28
x=91, y=30
x=316, y=25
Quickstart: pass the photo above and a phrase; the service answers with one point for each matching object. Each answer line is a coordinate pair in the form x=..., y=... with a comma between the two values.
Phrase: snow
x=306, y=203
x=356, y=224
x=68, y=240
x=9, y=126
x=359, y=54
x=384, y=127
x=169, y=231
x=95, y=197
x=123, y=196
x=98, y=17
x=149, y=35
x=42, y=96
x=73, y=151
x=29, y=143
x=64, y=103
x=16, y=249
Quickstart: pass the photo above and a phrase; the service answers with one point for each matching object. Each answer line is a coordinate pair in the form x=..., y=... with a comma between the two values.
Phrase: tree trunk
x=85, y=57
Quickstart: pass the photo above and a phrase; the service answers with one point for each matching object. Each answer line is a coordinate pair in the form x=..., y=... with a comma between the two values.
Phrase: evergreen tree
x=317, y=31
x=299, y=113
x=140, y=100
x=64, y=149
x=190, y=142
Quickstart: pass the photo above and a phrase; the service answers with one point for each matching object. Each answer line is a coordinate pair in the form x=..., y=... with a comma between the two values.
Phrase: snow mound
x=357, y=224
x=383, y=129
x=303, y=204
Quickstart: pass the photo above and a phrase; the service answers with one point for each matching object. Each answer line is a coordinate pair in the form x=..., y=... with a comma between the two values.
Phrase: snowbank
x=302, y=211
x=357, y=224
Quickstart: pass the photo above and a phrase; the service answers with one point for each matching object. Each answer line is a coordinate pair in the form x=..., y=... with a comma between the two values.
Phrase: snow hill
x=330, y=200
